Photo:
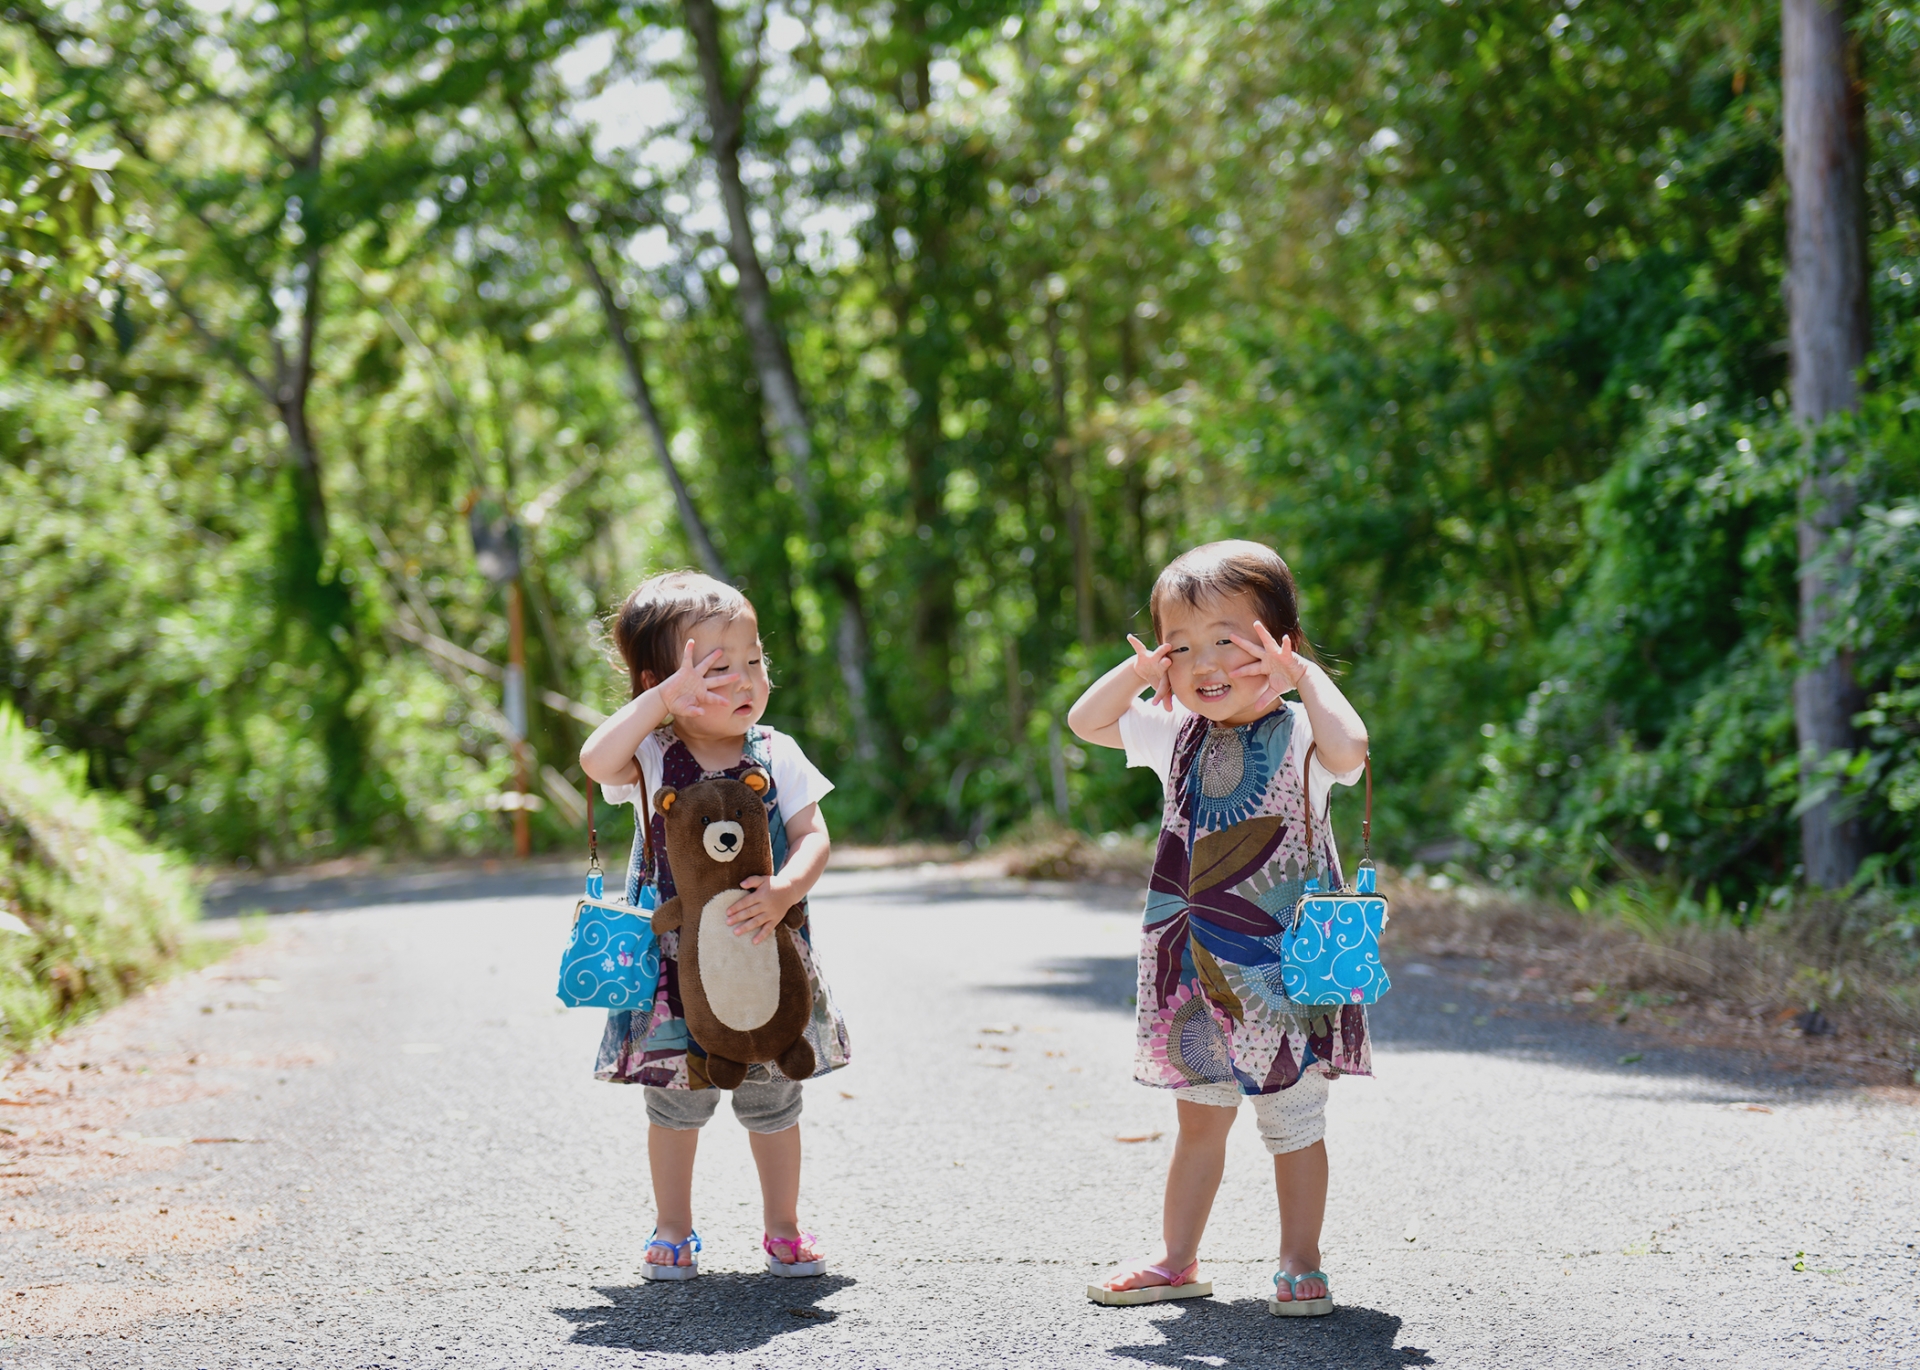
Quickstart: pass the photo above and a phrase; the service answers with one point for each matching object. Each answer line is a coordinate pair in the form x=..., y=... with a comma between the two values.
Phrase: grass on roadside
x=90, y=912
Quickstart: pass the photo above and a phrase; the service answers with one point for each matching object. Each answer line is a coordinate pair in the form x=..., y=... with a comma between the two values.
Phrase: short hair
x=1230, y=569
x=649, y=628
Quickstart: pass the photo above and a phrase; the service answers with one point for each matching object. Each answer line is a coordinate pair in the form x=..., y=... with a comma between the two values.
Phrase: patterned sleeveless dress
x=1232, y=861
x=654, y=1048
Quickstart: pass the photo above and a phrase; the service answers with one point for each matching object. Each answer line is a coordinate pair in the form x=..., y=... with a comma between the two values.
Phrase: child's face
x=738, y=641
x=1202, y=658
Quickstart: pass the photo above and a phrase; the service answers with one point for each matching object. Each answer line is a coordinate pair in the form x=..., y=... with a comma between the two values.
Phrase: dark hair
x=1230, y=569
x=650, y=628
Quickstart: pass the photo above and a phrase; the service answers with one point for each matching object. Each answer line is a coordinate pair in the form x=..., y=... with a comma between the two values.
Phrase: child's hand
x=1274, y=660
x=766, y=902
x=688, y=691
x=1151, y=667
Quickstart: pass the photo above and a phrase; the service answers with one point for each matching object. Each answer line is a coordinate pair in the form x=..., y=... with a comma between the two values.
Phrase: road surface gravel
x=427, y=1174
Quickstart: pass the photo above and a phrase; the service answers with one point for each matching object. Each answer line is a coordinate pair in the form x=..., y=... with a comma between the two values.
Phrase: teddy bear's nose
x=728, y=840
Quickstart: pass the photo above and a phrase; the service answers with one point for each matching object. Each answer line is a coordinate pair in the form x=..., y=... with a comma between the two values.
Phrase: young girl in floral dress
x=692, y=649
x=1239, y=766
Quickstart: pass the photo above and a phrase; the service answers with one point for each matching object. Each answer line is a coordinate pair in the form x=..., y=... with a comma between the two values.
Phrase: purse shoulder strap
x=1306, y=804
x=645, y=820
x=593, y=836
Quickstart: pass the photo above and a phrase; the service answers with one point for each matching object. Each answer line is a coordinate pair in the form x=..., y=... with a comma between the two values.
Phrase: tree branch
x=622, y=330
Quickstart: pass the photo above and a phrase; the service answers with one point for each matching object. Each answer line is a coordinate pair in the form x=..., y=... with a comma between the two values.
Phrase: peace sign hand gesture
x=1274, y=660
x=689, y=691
x=1151, y=667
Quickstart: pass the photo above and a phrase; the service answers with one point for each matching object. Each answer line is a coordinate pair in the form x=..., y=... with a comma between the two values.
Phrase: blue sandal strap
x=1293, y=1281
x=691, y=1239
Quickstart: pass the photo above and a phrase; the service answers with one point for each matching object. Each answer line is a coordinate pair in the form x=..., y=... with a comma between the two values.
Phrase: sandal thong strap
x=1293, y=1281
x=691, y=1239
x=1174, y=1278
x=793, y=1245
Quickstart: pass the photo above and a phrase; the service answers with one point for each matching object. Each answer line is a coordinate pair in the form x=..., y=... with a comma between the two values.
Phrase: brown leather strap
x=646, y=822
x=1306, y=789
x=593, y=837
x=645, y=818
x=1366, y=823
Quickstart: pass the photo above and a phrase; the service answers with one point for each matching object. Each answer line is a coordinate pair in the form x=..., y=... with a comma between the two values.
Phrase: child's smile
x=1204, y=657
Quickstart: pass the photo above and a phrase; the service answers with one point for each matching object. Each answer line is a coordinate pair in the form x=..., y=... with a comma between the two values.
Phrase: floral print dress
x=1231, y=863
x=654, y=1048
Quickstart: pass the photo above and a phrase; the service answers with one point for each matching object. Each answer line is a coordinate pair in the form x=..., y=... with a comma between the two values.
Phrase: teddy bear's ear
x=756, y=780
x=663, y=801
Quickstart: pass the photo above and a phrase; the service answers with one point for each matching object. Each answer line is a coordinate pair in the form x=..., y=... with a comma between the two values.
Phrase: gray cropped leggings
x=762, y=1103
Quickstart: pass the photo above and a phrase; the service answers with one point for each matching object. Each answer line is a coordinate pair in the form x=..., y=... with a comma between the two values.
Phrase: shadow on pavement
x=718, y=1314
x=478, y=880
x=1243, y=1332
x=1450, y=1007
x=1084, y=982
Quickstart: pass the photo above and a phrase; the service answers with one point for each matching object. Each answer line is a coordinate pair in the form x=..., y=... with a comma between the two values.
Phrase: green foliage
x=63, y=264
x=91, y=912
x=1472, y=310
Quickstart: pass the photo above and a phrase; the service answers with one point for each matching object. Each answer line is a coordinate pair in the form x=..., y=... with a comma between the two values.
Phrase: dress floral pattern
x=1232, y=861
x=654, y=1048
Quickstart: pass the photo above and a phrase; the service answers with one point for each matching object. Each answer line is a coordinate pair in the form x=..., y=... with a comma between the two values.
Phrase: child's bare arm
x=1095, y=716
x=1336, y=726
x=768, y=899
x=608, y=755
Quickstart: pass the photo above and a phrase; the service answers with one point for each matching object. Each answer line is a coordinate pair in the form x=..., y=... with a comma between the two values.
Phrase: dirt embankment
x=1785, y=986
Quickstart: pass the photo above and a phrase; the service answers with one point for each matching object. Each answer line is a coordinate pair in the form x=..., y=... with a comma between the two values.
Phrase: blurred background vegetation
x=955, y=320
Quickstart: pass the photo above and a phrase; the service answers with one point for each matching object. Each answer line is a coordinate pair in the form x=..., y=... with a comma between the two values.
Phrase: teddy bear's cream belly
x=742, y=980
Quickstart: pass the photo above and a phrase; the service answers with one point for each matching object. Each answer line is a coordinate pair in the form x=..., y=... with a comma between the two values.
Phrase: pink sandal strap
x=793, y=1245
x=1174, y=1278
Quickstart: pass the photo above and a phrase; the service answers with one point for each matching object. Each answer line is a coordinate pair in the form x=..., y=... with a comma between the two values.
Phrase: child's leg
x=675, y=1117
x=1193, y=1178
x=769, y=1109
x=777, y=1156
x=1293, y=1127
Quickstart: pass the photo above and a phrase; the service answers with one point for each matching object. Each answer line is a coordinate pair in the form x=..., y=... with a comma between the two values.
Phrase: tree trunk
x=779, y=383
x=306, y=466
x=1827, y=342
x=913, y=289
x=773, y=360
x=1073, y=496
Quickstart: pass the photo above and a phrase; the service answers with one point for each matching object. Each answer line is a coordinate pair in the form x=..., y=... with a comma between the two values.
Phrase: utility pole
x=1828, y=334
x=496, y=549
x=516, y=712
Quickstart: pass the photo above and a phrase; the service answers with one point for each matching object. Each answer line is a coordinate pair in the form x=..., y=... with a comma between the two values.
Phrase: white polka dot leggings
x=1293, y=1118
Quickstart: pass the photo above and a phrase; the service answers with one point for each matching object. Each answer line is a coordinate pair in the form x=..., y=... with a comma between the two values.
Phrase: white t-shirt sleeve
x=1320, y=783
x=651, y=754
x=798, y=781
x=1149, y=732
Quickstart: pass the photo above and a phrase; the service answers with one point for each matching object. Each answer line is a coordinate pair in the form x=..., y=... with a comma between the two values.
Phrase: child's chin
x=1224, y=707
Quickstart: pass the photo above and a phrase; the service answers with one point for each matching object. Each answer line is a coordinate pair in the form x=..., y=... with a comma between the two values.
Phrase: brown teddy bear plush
x=743, y=1003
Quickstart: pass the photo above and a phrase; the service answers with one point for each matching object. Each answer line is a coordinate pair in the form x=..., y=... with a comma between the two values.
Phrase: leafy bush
x=91, y=911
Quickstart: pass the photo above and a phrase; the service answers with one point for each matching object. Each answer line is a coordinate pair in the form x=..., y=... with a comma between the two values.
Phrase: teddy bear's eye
x=705, y=821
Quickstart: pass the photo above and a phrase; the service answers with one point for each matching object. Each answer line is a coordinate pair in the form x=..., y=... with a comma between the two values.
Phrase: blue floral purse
x=612, y=959
x=1330, y=949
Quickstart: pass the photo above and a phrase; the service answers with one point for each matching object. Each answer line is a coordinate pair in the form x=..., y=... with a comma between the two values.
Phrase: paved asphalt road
x=437, y=1180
